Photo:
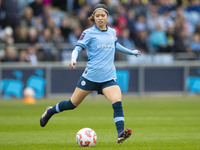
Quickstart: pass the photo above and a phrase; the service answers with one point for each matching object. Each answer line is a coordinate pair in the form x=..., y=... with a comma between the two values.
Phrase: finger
x=71, y=65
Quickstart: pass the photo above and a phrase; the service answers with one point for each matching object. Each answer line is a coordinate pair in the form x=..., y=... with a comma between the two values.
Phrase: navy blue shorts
x=87, y=85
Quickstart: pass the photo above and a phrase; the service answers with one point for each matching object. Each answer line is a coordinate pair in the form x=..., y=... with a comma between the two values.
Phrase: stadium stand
x=48, y=29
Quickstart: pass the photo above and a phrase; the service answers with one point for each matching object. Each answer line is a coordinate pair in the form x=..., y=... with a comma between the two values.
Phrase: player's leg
x=79, y=95
x=76, y=99
x=113, y=94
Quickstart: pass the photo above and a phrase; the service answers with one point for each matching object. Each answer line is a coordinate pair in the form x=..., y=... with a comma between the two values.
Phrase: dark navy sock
x=61, y=106
x=118, y=116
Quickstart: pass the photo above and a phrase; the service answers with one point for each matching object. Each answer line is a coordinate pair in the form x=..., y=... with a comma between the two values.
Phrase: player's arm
x=121, y=48
x=74, y=56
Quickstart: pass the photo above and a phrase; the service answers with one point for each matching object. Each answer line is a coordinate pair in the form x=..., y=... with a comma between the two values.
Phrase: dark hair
x=91, y=18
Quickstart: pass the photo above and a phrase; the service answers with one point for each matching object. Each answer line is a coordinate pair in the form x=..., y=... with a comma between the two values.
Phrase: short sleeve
x=83, y=40
x=116, y=39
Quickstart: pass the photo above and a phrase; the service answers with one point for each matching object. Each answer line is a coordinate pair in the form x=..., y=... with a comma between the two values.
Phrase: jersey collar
x=101, y=30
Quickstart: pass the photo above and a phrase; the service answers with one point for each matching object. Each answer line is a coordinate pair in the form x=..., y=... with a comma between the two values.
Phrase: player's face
x=100, y=18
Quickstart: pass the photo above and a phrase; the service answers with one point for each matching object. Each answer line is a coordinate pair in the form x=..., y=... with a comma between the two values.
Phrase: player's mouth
x=100, y=22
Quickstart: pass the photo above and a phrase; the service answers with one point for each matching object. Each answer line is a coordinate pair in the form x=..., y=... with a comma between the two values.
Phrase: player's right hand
x=72, y=65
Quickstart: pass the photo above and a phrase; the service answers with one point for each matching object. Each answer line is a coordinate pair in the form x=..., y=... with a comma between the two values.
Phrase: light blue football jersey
x=100, y=47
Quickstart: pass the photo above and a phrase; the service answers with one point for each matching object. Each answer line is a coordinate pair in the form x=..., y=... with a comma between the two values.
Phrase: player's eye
x=102, y=15
x=97, y=15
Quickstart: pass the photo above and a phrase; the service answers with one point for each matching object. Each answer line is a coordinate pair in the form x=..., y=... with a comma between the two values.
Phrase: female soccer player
x=100, y=41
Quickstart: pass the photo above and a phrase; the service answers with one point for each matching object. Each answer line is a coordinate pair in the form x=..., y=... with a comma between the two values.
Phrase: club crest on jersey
x=113, y=38
x=82, y=36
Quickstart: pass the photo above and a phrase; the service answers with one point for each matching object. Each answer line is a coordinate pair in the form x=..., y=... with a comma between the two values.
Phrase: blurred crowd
x=39, y=30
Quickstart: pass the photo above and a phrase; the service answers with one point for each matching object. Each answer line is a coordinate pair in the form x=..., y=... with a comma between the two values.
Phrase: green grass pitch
x=157, y=124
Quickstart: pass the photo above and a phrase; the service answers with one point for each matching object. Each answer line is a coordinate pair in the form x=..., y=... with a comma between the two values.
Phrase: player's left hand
x=137, y=52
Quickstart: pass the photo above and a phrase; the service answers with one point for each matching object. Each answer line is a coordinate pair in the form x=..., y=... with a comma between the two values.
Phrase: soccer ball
x=86, y=137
